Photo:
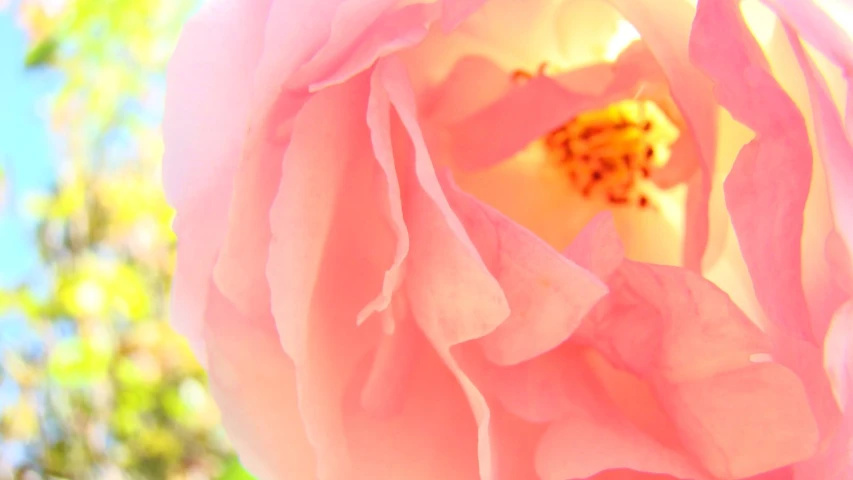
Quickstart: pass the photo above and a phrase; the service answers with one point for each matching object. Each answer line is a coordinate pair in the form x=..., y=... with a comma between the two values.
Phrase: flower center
x=609, y=154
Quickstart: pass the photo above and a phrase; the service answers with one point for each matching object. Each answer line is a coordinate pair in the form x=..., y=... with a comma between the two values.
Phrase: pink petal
x=697, y=332
x=204, y=120
x=816, y=26
x=299, y=31
x=331, y=245
x=823, y=293
x=838, y=356
x=849, y=115
x=806, y=360
x=439, y=242
x=199, y=240
x=728, y=417
x=548, y=294
x=497, y=132
x=202, y=129
x=524, y=113
x=362, y=32
x=389, y=380
x=579, y=446
x=598, y=248
x=485, y=32
x=483, y=35
x=514, y=444
x=835, y=148
x=768, y=185
x=779, y=474
x=254, y=385
x=665, y=28
x=836, y=462
x=379, y=122
x=473, y=83
x=549, y=387
x=686, y=338
x=556, y=392
x=839, y=259
x=455, y=12
x=256, y=181
x=604, y=420
x=431, y=434
x=296, y=30
x=449, y=290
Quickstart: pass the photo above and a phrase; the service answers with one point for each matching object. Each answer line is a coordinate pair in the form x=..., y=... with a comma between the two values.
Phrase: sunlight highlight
x=625, y=35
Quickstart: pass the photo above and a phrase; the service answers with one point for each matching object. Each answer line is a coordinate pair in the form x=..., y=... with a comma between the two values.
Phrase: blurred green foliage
x=110, y=391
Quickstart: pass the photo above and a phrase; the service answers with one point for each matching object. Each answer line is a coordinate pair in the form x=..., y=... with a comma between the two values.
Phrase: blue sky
x=26, y=148
x=27, y=160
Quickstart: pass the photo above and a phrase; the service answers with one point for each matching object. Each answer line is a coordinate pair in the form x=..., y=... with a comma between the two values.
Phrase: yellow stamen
x=610, y=153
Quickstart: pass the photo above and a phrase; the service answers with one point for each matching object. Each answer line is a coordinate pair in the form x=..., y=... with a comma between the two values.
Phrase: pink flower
x=406, y=251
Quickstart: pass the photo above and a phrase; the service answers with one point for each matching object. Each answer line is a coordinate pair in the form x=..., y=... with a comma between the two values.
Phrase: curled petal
x=379, y=121
x=295, y=31
x=836, y=151
x=440, y=246
x=308, y=39
x=767, y=188
x=362, y=32
x=255, y=186
x=598, y=248
x=548, y=294
x=818, y=28
x=330, y=201
x=447, y=312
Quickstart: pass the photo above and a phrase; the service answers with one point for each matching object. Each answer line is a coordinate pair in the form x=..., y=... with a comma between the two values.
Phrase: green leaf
x=76, y=362
x=234, y=471
x=41, y=54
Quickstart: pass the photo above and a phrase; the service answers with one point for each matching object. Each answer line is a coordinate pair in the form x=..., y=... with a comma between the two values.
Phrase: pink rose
x=406, y=251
